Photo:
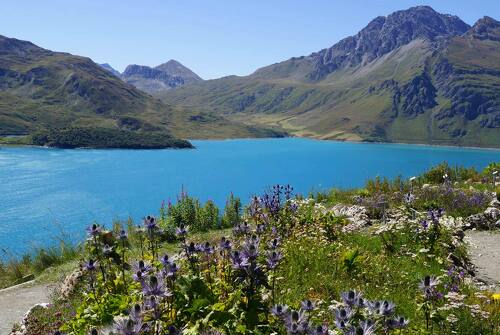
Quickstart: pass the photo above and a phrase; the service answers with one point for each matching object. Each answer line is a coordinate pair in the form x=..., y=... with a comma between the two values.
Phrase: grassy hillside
x=41, y=90
x=443, y=91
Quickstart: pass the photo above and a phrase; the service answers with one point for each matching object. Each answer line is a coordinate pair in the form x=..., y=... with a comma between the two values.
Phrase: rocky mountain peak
x=486, y=28
x=175, y=68
x=384, y=34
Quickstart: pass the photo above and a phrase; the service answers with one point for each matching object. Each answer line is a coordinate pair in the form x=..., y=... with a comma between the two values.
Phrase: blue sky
x=213, y=38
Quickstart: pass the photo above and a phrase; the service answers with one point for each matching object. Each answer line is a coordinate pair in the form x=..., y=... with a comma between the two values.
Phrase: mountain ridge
x=414, y=76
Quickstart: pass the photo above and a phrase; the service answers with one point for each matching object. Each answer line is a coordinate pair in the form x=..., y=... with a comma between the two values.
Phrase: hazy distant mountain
x=69, y=99
x=413, y=76
x=109, y=68
x=174, y=68
x=161, y=78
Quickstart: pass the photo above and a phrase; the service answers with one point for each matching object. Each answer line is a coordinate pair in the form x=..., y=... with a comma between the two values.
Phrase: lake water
x=46, y=192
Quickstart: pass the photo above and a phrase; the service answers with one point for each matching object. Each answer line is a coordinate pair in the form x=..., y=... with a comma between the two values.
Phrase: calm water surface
x=47, y=192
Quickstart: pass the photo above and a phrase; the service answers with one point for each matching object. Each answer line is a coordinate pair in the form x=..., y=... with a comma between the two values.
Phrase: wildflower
x=274, y=243
x=155, y=286
x=241, y=229
x=296, y=322
x=250, y=250
x=142, y=267
x=107, y=249
x=279, y=310
x=496, y=297
x=387, y=308
x=122, y=235
x=127, y=326
x=343, y=314
x=320, y=330
x=171, y=270
x=90, y=265
x=165, y=260
x=364, y=328
x=238, y=260
x=398, y=323
x=428, y=283
x=139, y=276
x=93, y=230
x=224, y=244
x=206, y=248
x=342, y=324
x=409, y=198
x=173, y=331
x=136, y=312
x=350, y=297
x=181, y=231
x=373, y=306
x=307, y=305
x=150, y=224
x=273, y=259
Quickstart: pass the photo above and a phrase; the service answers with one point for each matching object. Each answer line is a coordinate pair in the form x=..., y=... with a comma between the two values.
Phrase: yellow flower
x=496, y=297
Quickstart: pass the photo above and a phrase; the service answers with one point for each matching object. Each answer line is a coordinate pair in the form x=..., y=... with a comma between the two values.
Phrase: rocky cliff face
x=385, y=34
x=159, y=79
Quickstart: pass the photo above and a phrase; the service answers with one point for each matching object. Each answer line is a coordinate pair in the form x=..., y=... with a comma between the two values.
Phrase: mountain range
x=157, y=79
x=414, y=76
x=59, y=99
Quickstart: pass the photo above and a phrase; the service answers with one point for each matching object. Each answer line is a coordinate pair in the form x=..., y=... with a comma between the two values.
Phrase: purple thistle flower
x=225, y=244
x=241, y=229
x=136, y=313
x=343, y=314
x=94, y=230
x=142, y=267
x=239, y=261
x=122, y=235
x=107, y=249
x=139, y=276
x=207, y=248
x=165, y=260
x=181, y=231
x=279, y=310
x=90, y=265
x=342, y=324
x=155, y=286
x=398, y=323
x=173, y=331
x=296, y=322
x=307, y=305
x=350, y=297
x=128, y=327
x=320, y=330
x=373, y=307
x=428, y=283
x=273, y=259
x=387, y=308
x=171, y=270
x=364, y=328
x=274, y=243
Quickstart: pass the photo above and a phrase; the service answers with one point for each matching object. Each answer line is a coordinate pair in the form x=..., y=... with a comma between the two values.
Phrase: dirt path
x=485, y=255
x=17, y=300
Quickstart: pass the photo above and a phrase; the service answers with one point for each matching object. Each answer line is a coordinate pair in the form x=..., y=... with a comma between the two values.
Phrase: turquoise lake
x=49, y=192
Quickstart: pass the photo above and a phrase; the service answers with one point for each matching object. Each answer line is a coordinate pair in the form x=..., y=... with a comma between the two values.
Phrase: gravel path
x=485, y=255
x=17, y=300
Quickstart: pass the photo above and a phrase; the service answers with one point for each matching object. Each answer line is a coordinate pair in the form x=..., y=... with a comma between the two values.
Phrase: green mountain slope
x=414, y=76
x=45, y=92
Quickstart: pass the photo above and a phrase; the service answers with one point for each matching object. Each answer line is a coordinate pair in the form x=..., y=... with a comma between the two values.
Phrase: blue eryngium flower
x=136, y=313
x=171, y=270
x=155, y=286
x=387, y=308
x=398, y=323
x=90, y=265
x=273, y=259
x=122, y=235
x=320, y=330
x=307, y=305
x=225, y=244
x=350, y=297
x=93, y=230
x=365, y=327
x=173, y=331
x=343, y=313
x=238, y=260
x=165, y=260
x=128, y=326
x=181, y=231
x=279, y=310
